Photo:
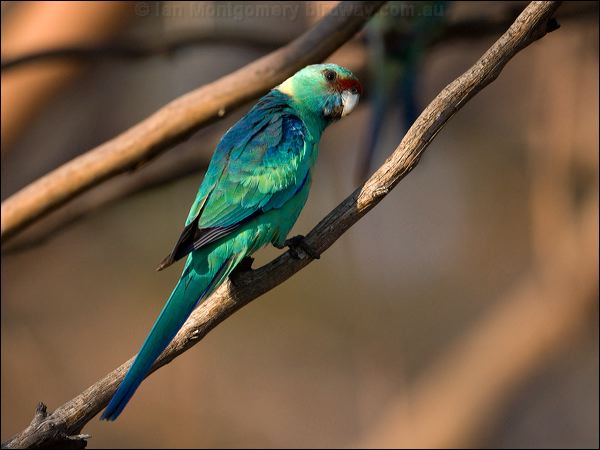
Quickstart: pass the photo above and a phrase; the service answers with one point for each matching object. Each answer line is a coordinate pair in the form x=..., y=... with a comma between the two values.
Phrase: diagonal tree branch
x=174, y=167
x=59, y=427
x=180, y=118
x=477, y=28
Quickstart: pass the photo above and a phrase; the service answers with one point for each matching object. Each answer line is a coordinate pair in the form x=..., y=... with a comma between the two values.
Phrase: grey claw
x=299, y=248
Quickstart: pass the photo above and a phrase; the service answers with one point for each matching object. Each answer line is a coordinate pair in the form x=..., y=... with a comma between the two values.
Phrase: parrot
x=254, y=189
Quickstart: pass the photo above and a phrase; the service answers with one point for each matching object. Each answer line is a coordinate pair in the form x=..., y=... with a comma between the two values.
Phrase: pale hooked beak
x=349, y=100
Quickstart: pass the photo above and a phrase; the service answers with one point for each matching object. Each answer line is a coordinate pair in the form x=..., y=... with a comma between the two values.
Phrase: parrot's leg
x=299, y=248
x=245, y=265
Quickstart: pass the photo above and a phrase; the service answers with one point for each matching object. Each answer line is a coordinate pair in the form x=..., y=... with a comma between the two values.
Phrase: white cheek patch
x=349, y=100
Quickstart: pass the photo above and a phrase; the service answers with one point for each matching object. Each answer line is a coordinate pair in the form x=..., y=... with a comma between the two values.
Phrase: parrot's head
x=326, y=90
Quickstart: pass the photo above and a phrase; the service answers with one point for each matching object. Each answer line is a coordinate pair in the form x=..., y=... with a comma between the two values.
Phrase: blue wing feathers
x=258, y=166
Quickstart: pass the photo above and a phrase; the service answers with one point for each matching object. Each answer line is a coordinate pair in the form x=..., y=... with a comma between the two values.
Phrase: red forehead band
x=343, y=84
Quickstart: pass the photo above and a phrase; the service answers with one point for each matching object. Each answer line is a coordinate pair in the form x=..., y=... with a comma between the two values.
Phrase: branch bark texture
x=533, y=23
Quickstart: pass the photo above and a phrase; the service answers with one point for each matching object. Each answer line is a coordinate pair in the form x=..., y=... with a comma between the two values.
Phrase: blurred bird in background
x=396, y=47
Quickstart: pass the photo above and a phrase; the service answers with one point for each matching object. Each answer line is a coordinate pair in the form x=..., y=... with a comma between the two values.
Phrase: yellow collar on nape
x=286, y=87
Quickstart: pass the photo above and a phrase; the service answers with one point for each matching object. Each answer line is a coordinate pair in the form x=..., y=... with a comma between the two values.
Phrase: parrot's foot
x=299, y=248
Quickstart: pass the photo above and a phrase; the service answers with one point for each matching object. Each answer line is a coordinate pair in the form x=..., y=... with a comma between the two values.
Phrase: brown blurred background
x=462, y=311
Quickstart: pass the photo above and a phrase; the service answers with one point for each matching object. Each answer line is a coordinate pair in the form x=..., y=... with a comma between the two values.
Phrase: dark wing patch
x=192, y=238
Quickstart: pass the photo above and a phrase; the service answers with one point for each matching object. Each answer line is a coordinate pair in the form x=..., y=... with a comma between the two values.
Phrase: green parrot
x=255, y=187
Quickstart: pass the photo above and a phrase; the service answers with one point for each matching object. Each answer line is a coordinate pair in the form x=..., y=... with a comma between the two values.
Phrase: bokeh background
x=461, y=311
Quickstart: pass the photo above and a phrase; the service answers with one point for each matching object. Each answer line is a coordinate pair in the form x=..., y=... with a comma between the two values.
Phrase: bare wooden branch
x=173, y=167
x=533, y=23
x=178, y=119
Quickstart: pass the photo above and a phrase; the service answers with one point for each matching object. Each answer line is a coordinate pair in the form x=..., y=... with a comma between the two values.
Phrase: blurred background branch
x=172, y=167
x=57, y=24
x=453, y=404
x=137, y=50
x=541, y=317
x=181, y=117
x=69, y=419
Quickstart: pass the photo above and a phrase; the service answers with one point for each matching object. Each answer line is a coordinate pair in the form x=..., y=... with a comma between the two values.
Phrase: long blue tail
x=192, y=287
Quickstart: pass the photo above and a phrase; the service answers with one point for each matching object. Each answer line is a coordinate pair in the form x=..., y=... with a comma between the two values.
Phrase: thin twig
x=180, y=118
x=136, y=50
x=533, y=23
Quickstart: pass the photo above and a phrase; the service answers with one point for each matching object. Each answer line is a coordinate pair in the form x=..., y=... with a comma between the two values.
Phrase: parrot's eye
x=329, y=75
x=354, y=91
